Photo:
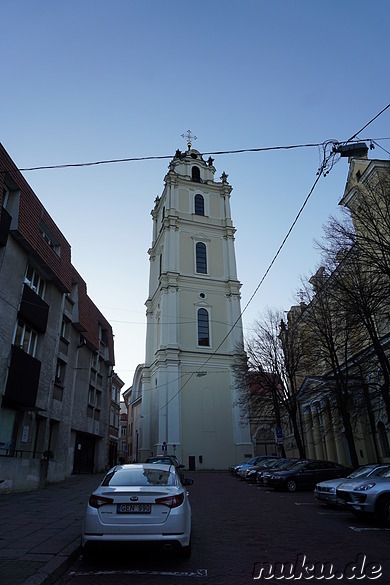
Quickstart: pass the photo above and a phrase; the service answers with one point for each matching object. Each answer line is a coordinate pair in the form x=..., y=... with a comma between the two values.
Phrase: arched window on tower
x=199, y=204
x=203, y=328
x=201, y=258
x=195, y=174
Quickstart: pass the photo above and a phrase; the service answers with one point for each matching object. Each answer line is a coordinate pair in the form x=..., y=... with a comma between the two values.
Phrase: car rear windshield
x=139, y=477
x=164, y=460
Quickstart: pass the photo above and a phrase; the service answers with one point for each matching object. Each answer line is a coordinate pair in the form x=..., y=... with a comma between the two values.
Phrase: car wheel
x=383, y=510
x=291, y=485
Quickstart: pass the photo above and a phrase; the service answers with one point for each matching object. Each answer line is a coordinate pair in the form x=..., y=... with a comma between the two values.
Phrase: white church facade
x=185, y=392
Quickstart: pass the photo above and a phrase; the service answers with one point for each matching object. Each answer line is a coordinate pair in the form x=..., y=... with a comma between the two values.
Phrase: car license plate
x=134, y=508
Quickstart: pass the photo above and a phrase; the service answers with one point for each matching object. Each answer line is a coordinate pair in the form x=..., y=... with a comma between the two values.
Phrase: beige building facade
x=350, y=300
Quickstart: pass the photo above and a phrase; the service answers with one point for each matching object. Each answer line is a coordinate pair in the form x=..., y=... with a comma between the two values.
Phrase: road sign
x=279, y=436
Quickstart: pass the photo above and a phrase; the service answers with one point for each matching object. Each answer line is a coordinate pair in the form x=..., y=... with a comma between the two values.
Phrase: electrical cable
x=215, y=153
x=321, y=171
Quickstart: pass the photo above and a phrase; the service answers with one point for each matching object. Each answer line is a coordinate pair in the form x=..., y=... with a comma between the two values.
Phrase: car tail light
x=171, y=501
x=97, y=501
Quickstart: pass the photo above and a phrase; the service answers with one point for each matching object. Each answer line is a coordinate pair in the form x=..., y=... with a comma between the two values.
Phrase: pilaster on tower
x=193, y=303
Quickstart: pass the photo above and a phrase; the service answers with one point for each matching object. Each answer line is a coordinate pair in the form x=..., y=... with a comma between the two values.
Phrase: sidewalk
x=40, y=530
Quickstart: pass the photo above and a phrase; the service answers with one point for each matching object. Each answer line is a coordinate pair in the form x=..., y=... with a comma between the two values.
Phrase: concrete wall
x=18, y=474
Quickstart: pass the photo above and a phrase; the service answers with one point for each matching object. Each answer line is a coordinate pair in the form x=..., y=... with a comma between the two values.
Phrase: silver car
x=140, y=503
x=368, y=496
x=325, y=491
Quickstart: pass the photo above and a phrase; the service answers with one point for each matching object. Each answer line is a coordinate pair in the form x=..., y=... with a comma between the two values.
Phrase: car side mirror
x=181, y=466
x=188, y=481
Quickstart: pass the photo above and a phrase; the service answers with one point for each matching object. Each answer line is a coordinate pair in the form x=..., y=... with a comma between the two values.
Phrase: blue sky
x=89, y=80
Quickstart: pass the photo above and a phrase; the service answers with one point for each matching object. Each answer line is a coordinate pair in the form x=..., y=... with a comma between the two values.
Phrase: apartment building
x=56, y=349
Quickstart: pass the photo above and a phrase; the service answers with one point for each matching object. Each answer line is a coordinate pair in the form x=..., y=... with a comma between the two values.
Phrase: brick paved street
x=236, y=525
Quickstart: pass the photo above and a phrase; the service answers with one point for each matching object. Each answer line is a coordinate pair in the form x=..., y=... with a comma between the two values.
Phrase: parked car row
x=290, y=474
x=364, y=491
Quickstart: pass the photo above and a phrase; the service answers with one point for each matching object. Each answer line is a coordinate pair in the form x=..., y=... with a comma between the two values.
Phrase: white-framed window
x=201, y=258
x=203, y=328
x=199, y=204
x=25, y=338
x=34, y=281
x=195, y=174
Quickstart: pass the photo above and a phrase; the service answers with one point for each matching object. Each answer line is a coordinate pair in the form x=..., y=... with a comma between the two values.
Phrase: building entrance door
x=84, y=454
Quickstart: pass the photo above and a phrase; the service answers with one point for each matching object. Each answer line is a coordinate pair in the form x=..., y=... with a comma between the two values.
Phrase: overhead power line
x=327, y=163
x=169, y=156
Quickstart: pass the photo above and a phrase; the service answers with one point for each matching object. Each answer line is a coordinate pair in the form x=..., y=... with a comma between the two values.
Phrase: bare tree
x=267, y=372
x=330, y=333
x=361, y=283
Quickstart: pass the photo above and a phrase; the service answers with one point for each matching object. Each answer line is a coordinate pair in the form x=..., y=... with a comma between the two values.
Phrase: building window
x=25, y=338
x=203, y=328
x=103, y=335
x=60, y=373
x=64, y=329
x=195, y=174
x=201, y=258
x=115, y=394
x=49, y=238
x=34, y=281
x=5, y=197
x=199, y=204
x=91, y=396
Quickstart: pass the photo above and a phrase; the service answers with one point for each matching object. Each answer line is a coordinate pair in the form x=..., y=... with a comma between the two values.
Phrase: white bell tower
x=189, y=401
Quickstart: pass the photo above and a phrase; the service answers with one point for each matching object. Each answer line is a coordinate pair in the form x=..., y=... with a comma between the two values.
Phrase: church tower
x=189, y=399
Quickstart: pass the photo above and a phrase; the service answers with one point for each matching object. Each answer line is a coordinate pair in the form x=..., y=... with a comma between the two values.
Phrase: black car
x=279, y=465
x=251, y=471
x=236, y=469
x=169, y=460
x=305, y=475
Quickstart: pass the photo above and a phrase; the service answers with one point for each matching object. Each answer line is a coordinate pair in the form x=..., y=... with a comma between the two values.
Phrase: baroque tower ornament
x=189, y=138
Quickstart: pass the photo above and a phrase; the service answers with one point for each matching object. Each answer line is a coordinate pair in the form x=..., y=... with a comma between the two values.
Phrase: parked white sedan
x=142, y=503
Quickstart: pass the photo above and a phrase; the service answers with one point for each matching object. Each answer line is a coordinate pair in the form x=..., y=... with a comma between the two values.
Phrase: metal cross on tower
x=189, y=138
